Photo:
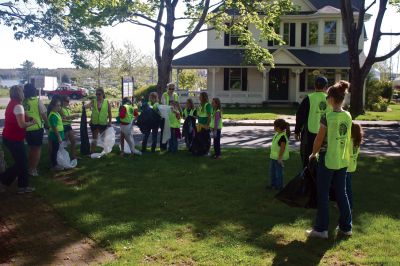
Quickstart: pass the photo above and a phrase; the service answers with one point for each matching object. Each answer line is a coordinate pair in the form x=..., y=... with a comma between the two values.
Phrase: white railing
x=226, y=97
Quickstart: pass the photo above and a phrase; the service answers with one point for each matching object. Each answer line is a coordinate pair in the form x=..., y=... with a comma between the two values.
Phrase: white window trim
x=229, y=79
x=336, y=33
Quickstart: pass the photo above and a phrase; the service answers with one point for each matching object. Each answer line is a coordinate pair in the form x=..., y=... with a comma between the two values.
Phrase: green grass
x=183, y=210
x=4, y=93
x=393, y=115
x=269, y=113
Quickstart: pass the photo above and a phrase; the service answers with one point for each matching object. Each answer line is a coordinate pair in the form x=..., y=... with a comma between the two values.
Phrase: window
x=232, y=38
x=313, y=73
x=274, y=42
x=303, y=35
x=330, y=32
x=286, y=33
x=235, y=79
x=313, y=33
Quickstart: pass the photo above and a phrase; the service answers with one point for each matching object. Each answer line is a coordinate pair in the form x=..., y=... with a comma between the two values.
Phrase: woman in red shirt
x=13, y=139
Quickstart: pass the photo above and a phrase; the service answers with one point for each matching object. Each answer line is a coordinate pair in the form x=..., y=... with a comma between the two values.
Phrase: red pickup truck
x=71, y=91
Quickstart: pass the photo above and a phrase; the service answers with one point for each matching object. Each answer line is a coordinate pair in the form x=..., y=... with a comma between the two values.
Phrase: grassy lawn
x=393, y=115
x=183, y=210
x=269, y=113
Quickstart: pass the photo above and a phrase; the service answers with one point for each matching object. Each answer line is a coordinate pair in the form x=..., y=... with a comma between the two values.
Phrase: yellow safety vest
x=31, y=106
x=318, y=107
x=99, y=118
x=275, y=148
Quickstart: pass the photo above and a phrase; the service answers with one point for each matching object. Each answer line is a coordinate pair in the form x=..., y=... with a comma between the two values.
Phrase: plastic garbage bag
x=106, y=140
x=127, y=150
x=63, y=158
x=164, y=112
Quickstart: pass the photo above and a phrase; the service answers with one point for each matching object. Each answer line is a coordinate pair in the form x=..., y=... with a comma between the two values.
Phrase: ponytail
x=287, y=129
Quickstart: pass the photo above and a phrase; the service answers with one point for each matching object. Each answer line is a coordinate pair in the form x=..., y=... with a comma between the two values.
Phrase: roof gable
x=304, y=5
x=284, y=57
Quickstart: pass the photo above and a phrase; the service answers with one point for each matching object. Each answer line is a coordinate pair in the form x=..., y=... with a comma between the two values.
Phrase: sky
x=13, y=52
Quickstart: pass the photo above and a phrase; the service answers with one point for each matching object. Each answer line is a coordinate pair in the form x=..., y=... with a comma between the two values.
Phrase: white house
x=315, y=45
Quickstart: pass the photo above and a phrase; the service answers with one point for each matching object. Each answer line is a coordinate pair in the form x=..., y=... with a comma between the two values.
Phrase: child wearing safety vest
x=67, y=118
x=216, y=126
x=175, y=124
x=126, y=116
x=56, y=132
x=189, y=109
x=355, y=142
x=279, y=153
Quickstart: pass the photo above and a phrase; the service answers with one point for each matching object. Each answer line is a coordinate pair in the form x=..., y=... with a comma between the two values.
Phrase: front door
x=279, y=84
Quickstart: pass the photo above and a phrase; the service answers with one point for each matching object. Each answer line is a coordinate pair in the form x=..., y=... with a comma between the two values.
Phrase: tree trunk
x=164, y=70
x=357, y=93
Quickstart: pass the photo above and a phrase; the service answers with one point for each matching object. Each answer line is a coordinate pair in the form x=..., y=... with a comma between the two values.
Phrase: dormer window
x=330, y=33
x=231, y=38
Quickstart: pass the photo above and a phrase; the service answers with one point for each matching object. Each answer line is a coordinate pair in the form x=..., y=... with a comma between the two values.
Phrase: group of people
x=26, y=118
x=328, y=135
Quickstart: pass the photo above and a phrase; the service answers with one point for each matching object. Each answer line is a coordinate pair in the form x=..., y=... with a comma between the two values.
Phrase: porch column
x=297, y=72
x=178, y=70
x=265, y=82
x=213, y=70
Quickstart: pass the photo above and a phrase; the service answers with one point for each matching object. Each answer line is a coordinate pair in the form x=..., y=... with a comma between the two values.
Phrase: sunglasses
x=171, y=89
x=99, y=94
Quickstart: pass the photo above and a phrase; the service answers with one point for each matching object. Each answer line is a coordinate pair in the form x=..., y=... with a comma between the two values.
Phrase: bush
x=145, y=91
x=113, y=93
x=375, y=92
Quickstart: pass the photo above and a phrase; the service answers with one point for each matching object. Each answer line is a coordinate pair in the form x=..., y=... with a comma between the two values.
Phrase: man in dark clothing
x=308, y=117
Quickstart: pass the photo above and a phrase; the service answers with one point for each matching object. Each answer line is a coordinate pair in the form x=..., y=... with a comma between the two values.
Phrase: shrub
x=145, y=91
x=374, y=95
x=387, y=90
x=113, y=93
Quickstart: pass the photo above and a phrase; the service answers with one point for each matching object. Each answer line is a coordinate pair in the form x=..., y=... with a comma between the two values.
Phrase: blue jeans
x=154, y=132
x=20, y=167
x=217, y=142
x=276, y=174
x=326, y=177
x=173, y=141
x=349, y=189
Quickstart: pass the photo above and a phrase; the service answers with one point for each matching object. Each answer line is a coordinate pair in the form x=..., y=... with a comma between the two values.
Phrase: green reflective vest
x=154, y=106
x=166, y=97
x=31, y=106
x=173, y=121
x=187, y=113
x=354, y=151
x=60, y=126
x=275, y=147
x=318, y=107
x=213, y=119
x=339, y=140
x=67, y=113
x=129, y=114
x=99, y=118
x=202, y=113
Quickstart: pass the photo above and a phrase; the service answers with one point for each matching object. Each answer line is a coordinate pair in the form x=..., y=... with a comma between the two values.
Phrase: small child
x=56, y=132
x=175, y=124
x=189, y=110
x=216, y=126
x=126, y=117
x=356, y=139
x=279, y=153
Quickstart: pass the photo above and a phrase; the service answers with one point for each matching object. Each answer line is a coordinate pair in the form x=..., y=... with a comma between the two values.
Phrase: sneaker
x=23, y=190
x=345, y=233
x=313, y=233
x=58, y=168
x=33, y=173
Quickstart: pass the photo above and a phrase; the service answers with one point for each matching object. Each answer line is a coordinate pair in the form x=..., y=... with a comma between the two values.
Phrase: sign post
x=127, y=87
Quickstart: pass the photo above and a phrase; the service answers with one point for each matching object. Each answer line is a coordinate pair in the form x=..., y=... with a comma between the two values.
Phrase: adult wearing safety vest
x=204, y=112
x=35, y=109
x=308, y=117
x=167, y=98
x=153, y=104
x=67, y=118
x=333, y=143
x=126, y=116
x=101, y=116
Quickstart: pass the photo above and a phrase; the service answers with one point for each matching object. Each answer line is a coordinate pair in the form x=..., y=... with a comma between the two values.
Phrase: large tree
x=162, y=17
x=353, y=29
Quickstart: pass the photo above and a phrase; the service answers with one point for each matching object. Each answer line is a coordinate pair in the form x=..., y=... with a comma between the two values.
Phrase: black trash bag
x=189, y=131
x=301, y=191
x=85, y=144
x=201, y=142
x=148, y=119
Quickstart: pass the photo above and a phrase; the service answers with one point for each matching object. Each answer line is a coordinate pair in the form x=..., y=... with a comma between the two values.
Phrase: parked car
x=71, y=91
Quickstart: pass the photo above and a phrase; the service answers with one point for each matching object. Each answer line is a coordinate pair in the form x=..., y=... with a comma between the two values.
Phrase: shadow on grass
x=160, y=198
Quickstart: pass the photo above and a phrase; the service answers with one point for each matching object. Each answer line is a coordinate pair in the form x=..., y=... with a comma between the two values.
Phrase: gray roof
x=234, y=57
x=335, y=3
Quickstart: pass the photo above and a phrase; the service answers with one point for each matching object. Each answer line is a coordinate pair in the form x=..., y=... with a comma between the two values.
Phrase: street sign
x=127, y=86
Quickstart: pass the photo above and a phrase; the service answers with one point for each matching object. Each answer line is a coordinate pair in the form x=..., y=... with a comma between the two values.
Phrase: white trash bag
x=127, y=149
x=106, y=140
x=63, y=158
x=164, y=112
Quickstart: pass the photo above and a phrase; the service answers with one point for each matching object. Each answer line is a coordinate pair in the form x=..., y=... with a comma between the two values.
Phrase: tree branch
x=184, y=36
x=387, y=56
x=157, y=22
x=390, y=33
x=361, y=17
x=157, y=34
x=368, y=8
x=196, y=29
x=140, y=23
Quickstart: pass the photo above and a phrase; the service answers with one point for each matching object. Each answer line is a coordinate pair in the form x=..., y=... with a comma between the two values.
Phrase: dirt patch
x=31, y=233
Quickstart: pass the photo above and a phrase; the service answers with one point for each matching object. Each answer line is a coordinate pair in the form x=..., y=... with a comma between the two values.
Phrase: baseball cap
x=321, y=82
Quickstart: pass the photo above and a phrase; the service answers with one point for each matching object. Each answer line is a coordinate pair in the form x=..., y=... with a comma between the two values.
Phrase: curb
x=232, y=123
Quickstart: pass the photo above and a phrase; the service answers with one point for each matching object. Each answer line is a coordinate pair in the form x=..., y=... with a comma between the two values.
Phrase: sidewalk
x=292, y=121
